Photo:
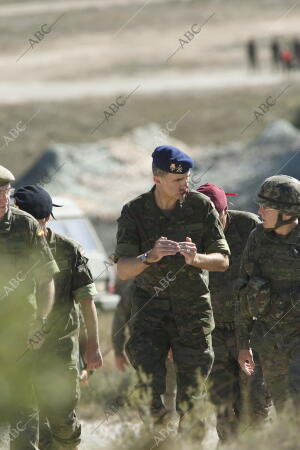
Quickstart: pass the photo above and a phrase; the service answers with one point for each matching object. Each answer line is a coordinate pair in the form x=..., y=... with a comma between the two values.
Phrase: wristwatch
x=143, y=258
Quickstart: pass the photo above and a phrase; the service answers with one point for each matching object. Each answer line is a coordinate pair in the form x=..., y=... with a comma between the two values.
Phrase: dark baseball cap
x=34, y=200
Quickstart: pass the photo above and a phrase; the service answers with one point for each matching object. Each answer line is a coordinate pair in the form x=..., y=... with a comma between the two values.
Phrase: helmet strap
x=280, y=222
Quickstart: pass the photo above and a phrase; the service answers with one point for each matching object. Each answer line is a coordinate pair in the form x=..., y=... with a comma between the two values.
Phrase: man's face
x=4, y=198
x=268, y=215
x=173, y=185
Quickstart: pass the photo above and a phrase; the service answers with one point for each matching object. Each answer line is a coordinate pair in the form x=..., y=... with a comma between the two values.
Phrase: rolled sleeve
x=47, y=272
x=220, y=246
x=82, y=281
x=87, y=291
x=125, y=250
x=127, y=236
x=214, y=239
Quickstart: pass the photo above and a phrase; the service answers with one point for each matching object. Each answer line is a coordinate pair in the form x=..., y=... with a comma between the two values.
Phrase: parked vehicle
x=73, y=222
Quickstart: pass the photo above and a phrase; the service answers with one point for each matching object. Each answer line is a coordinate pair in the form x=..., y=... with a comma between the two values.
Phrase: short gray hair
x=158, y=172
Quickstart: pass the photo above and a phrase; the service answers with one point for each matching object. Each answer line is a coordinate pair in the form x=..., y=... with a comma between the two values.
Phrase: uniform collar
x=152, y=204
x=291, y=238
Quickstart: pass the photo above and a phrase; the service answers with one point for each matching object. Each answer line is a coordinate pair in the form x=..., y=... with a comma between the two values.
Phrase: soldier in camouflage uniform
x=168, y=238
x=57, y=378
x=268, y=312
x=229, y=385
x=26, y=262
x=120, y=321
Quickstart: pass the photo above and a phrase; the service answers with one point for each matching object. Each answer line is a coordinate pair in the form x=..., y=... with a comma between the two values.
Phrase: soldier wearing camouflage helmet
x=237, y=398
x=26, y=264
x=268, y=308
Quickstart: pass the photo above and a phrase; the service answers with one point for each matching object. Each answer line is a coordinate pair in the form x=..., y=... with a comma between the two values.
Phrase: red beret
x=216, y=194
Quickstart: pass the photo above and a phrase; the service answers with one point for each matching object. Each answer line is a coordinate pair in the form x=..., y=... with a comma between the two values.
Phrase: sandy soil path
x=14, y=93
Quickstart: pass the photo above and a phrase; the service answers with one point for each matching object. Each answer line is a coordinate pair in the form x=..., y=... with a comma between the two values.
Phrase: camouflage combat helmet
x=281, y=192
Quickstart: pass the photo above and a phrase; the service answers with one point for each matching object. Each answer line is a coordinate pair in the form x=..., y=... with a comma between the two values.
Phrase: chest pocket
x=17, y=268
x=13, y=247
x=148, y=231
x=195, y=232
x=15, y=253
x=281, y=263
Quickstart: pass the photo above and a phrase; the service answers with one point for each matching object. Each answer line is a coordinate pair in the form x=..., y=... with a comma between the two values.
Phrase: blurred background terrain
x=89, y=88
x=196, y=90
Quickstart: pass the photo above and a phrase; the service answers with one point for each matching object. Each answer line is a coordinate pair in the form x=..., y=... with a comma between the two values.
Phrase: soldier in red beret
x=230, y=387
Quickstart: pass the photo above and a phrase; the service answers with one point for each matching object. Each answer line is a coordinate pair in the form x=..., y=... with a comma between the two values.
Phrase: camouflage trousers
x=57, y=390
x=147, y=351
x=281, y=370
x=17, y=405
x=240, y=400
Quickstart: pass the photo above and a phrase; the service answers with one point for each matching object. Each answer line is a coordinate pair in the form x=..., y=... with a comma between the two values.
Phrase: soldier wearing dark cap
x=57, y=378
x=168, y=238
x=234, y=397
x=268, y=310
x=26, y=264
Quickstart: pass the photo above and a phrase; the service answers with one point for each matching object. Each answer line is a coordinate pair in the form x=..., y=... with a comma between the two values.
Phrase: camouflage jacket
x=170, y=283
x=26, y=261
x=121, y=319
x=276, y=259
x=73, y=283
x=222, y=284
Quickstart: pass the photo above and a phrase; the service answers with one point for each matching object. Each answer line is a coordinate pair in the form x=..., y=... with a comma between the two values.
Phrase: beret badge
x=177, y=169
